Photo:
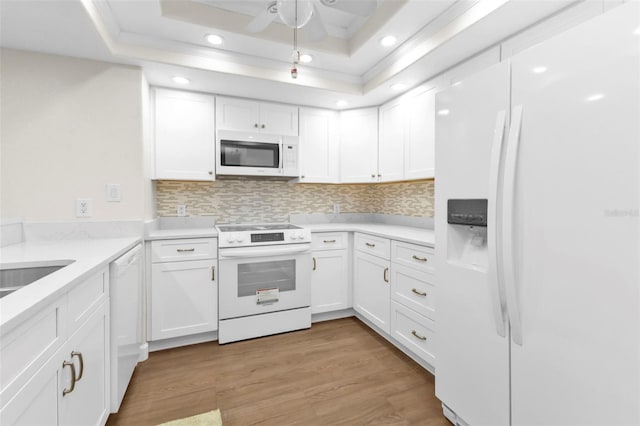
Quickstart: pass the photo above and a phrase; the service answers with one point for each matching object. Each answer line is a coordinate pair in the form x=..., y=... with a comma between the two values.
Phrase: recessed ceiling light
x=180, y=80
x=594, y=97
x=214, y=39
x=443, y=112
x=539, y=70
x=305, y=58
x=398, y=86
x=388, y=41
x=342, y=103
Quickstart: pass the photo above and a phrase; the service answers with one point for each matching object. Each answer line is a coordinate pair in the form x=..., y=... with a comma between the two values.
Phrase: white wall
x=67, y=128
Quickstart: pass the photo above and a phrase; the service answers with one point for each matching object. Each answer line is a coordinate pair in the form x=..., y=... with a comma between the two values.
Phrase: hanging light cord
x=296, y=53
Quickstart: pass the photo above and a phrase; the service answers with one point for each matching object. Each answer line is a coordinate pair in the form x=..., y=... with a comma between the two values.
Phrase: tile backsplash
x=252, y=201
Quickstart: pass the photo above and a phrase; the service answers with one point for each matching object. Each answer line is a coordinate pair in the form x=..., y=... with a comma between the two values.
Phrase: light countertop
x=89, y=256
x=409, y=234
x=172, y=234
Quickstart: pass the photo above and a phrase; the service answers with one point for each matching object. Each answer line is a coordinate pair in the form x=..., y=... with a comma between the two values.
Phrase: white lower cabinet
x=70, y=386
x=371, y=289
x=184, y=293
x=330, y=274
x=413, y=330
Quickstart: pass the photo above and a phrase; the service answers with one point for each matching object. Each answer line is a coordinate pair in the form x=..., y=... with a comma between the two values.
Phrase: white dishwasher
x=126, y=320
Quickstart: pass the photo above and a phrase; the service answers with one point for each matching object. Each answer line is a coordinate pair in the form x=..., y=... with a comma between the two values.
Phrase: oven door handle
x=263, y=251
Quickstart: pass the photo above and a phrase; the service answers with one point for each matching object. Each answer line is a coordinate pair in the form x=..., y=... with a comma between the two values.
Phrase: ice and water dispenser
x=467, y=233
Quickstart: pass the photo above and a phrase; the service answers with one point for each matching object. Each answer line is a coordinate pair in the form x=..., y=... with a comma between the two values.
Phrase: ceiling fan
x=307, y=14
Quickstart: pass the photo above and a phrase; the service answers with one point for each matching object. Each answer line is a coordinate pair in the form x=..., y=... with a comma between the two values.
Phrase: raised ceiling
x=167, y=38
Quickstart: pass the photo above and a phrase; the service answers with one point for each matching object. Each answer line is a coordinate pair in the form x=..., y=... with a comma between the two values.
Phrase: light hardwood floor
x=337, y=373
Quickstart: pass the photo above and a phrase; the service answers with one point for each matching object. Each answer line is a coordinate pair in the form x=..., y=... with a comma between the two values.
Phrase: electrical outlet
x=336, y=208
x=114, y=193
x=182, y=210
x=83, y=207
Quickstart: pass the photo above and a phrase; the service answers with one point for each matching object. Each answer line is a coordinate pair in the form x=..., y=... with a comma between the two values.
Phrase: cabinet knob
x=210, y=172
x=263, y=126
x=303, y=176
x=379, y=175
x=255, y=125
x=373, y=175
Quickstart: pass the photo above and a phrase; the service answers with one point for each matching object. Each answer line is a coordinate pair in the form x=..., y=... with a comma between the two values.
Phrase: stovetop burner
x=256, y=227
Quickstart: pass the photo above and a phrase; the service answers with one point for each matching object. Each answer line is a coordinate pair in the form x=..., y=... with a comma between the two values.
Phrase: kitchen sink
x=16, y=276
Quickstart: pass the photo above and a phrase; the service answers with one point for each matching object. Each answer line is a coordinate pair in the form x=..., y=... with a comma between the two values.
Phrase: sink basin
x=16, y=276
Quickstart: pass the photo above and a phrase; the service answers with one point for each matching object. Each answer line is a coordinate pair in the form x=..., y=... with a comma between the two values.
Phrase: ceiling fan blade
x=260, y=22
x=315, y=30
x=354, y=7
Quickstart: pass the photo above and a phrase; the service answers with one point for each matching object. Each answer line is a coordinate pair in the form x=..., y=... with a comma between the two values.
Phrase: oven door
x=257, y=280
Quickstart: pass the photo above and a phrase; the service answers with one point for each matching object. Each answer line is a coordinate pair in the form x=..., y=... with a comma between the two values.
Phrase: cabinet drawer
x=27, y=347
x=413, y=289
x=329, y=241
x=412, y=255
x=413, y=331
x=191, y=249
x=376, y=246
x=85, y=297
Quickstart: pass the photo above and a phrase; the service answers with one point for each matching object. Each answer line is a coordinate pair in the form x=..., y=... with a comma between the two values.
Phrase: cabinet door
x=237, y=114
x=319, y=160
x=88, y=349
x=371, y=289
x=391, y=144
x=279, y=119
x=184, y=135
x=184, y=298
x=359, y=146
x=329, y=281
x=420, y=136
x=36, y=403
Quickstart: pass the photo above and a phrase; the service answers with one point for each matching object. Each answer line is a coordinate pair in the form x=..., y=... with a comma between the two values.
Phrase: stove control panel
x=263, y=237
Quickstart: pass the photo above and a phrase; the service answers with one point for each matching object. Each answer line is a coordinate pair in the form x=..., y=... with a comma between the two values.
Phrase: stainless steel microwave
x=256, y=154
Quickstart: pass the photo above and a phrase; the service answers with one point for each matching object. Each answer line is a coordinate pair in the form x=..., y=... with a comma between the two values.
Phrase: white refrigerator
x=539, y=310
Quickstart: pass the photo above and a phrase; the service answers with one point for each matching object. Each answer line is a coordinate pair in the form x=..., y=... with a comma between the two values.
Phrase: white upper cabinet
x=419, y=147
x=392, y=140
x=407, y=137
x=319, y=161
x=245, y=115
x=184, y=135
x=359, y=145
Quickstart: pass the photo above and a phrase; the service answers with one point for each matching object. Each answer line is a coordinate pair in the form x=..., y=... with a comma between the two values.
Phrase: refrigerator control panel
x=467, y=212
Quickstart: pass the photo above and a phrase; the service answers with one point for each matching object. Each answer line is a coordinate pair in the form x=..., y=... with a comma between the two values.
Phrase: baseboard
x=422, y=363
x=144, y=352
x=160, y=345
x=328, y=316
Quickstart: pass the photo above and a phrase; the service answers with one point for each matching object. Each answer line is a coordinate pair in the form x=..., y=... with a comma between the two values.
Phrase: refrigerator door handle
x=496, y=286
x=508, y=245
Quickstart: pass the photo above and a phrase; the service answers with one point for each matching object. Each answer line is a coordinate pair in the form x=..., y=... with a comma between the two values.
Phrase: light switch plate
x=181, y=210
x=114, y=193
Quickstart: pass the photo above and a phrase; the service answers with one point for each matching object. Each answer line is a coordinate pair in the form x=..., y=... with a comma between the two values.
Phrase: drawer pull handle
x=419, y=259
x=213, y=273
x=385, y=275
x=186, y=250
x=329, y=241
x=73, y=377
x=417, y=336
x=369, y=244
x=315, y=264
x=418, y=292
x=79, y=355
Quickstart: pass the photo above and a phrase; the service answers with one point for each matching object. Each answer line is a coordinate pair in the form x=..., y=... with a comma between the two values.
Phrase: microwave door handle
x=280, y=154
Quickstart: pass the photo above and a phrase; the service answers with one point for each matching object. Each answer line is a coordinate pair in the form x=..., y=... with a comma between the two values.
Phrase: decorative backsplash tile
x=252, y=201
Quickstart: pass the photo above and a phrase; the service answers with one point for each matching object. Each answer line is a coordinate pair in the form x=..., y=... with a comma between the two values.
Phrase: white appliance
x=256, y=154
x=538, y=311
x=125, y=276
x=264, y=281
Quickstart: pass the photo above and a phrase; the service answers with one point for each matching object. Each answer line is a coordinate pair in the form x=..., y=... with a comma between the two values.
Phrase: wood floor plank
x=337, y=373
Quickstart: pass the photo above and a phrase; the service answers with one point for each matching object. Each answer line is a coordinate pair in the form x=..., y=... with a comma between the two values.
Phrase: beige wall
x=236, y=201
x=68, y=127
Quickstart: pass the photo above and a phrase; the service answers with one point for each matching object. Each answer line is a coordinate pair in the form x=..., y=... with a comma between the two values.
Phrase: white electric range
x=264, y=281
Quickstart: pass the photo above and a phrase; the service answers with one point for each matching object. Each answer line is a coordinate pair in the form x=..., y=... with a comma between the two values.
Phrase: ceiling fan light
x=287, y=12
